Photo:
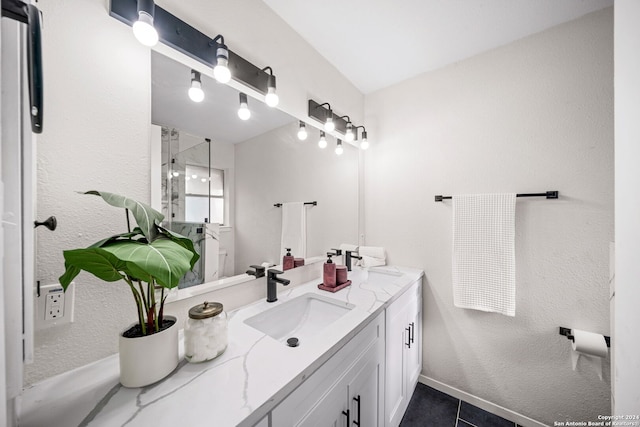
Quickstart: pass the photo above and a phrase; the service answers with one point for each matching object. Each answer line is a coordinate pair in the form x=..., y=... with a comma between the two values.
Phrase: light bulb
x=176, y=173
x=302, y=132
x=272, y=98
x=349, y=135
x=339, y=149
x=195, y=91
x=187, y=178
x=243, y=112
x=329, y=125
x=322, y=142
x=221, y=70
x=203, y=179
x=144, y=30
x=194, y=176
x=222, y=73
x=365, y=143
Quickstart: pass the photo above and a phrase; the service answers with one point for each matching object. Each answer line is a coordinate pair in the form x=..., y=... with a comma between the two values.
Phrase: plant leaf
x=146, y=217
x=183, y=241
x=163, y=259
x=96, y=261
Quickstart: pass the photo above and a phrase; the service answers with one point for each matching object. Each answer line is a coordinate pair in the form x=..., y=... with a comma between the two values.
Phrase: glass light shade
x=302, y=134
x=364, y=144
x=144, y=30
x=176, y=173
x=322, y=142
x=339, y=150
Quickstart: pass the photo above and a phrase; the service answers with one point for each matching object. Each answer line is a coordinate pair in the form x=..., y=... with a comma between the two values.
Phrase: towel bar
x=314, y=203
x=547, y=194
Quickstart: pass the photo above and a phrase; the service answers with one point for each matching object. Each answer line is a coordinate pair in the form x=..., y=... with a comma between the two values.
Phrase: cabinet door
x=365, y=392
x=395, y=380
x=414, y=353
x=330, y=411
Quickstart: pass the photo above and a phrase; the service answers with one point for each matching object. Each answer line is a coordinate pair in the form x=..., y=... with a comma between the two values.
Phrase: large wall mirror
x=221, y=176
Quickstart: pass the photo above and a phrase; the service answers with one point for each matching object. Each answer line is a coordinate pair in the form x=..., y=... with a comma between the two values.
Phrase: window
x=204, y=195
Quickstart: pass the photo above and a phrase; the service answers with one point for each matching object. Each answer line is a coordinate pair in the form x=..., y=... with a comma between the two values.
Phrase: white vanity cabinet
x=348, y=387
x=403, y=352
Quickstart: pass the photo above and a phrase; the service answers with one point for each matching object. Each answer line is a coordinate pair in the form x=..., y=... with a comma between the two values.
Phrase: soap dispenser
x=288, y=260
x=329, y=276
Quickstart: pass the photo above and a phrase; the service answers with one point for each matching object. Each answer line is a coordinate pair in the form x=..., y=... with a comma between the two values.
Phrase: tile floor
x=432, y=408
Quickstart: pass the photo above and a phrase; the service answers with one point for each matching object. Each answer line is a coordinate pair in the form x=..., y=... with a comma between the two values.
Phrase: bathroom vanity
x=357, y=361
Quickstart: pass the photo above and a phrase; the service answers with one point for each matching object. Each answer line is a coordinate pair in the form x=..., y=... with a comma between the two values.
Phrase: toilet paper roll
x=591, y=346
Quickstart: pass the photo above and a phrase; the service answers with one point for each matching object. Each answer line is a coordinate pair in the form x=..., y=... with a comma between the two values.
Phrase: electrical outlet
x=54, y=306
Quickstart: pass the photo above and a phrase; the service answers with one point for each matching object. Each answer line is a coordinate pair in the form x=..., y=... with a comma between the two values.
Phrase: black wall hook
x=51, y=223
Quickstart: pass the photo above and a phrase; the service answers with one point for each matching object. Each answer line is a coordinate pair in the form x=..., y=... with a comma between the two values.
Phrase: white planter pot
x=146, y=360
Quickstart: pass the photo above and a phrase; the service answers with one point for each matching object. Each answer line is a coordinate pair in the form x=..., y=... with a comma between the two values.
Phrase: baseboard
x=481, y=403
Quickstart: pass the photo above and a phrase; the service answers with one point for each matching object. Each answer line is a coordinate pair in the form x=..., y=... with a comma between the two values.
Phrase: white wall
x=276, y=167
x=531, y=116
x=97, y=103
x=627, y=129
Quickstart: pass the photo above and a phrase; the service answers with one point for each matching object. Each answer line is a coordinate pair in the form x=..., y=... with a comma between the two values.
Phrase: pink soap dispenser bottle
x=329, y=275
x=288, y=260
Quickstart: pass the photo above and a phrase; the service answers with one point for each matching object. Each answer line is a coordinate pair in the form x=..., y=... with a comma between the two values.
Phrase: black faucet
x=257, y=271
x=348, y=256
x=272, y=281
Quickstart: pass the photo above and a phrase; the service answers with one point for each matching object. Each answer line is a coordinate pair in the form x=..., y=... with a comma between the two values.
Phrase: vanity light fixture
x=243, y=112
x=195, y=91
x=364, y=144
x=221, y=70
x=143, y=28
x=194, y=176
x=203, y=179
x=302, y=131
x=324, y=114
x=271, y=98
x=176, y=173
x=339, y=148
x=322, y=142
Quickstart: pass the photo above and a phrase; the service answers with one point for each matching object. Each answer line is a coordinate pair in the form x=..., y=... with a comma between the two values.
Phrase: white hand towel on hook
x=484, y=252
x=294, y=229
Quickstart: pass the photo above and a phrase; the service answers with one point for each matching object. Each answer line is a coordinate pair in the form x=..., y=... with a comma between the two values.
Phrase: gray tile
x=430, y=408
x=481, y=418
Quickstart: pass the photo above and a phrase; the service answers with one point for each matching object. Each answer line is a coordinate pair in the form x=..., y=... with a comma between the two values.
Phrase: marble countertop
x=237, y=389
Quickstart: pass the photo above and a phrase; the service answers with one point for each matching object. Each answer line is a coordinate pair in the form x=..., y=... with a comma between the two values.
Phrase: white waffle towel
x=372, y=256
x=484, y=271
x=294, y=229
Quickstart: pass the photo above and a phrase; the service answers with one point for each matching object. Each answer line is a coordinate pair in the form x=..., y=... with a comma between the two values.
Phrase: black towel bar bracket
x=547, y=194
x=314, y=203
x=567, y=333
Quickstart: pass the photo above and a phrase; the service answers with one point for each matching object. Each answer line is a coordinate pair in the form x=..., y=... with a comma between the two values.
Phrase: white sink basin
x=302, y=317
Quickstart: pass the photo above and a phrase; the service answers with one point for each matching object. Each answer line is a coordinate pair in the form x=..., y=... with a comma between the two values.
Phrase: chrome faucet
x=272, y=282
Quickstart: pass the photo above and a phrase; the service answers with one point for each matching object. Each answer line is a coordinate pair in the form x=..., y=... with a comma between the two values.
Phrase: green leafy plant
x=147, y=257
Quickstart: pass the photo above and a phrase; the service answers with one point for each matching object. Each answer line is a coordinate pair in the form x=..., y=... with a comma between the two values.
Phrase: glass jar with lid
x=205, y=334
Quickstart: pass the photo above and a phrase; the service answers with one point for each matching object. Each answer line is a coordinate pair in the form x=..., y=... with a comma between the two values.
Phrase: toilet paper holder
x=567, y=333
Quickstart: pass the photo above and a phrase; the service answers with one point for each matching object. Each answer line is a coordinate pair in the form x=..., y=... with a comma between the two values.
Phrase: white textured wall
x=97, y=130
x=531, y=116
x=276, y=167
x=627, y=126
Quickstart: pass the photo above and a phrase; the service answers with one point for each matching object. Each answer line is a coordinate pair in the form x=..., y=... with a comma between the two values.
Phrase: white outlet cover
x=42, y=321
